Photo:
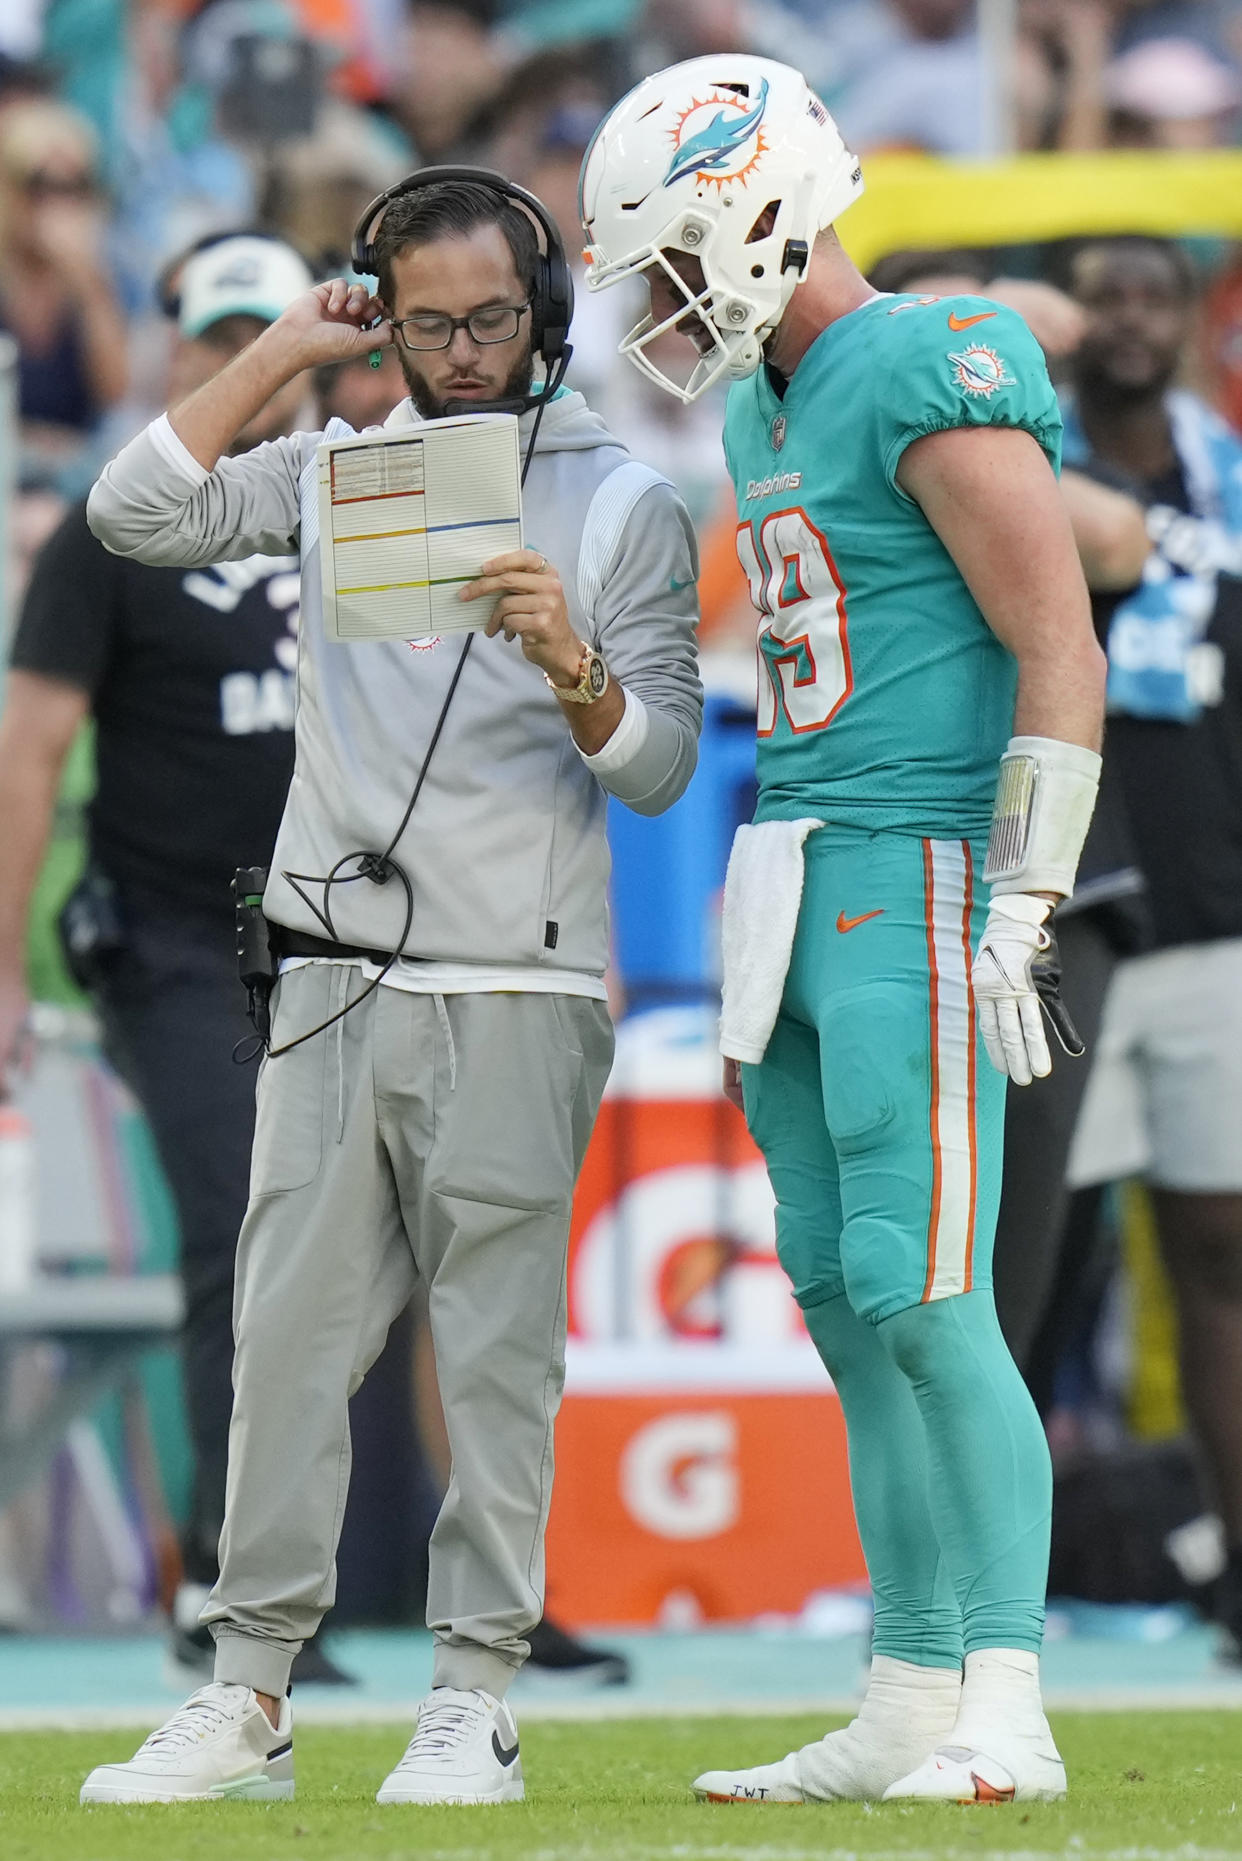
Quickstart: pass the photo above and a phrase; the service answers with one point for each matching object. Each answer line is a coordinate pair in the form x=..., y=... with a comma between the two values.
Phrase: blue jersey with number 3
x=884, y=698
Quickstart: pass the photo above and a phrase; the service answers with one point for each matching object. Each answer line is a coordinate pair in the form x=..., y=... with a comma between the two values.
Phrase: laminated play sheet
x=407, y=515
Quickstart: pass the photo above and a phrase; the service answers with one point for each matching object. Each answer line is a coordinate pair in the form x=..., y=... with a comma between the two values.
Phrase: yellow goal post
x=927, y=201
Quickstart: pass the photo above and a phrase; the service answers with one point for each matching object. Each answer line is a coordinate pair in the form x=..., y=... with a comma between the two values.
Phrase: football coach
x=439, y=1037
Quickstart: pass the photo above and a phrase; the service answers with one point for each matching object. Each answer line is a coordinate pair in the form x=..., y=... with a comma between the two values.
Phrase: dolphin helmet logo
x=713, y=151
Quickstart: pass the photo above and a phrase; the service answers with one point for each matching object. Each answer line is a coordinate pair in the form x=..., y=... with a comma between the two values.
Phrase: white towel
x=763, y=890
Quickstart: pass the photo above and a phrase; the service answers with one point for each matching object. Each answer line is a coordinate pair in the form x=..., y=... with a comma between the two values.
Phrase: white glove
x=1017, y=980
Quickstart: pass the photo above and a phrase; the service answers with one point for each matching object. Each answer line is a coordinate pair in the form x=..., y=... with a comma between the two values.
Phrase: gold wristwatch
x=593, y=680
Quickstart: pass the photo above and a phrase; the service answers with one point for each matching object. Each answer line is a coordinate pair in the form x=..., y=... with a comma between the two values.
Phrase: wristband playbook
x=1044, y=801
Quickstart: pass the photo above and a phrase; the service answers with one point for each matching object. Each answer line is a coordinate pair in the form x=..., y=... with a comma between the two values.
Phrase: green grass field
x=1144, y=1786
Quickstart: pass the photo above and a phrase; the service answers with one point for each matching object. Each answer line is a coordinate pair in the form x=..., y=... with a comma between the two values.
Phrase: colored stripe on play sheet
x=373, y=497
x=440, y=581
x=378, y=536
x=474, y=523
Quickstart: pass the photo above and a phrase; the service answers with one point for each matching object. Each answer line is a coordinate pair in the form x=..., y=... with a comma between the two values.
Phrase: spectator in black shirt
x=189, y=679
x=1165, y=1095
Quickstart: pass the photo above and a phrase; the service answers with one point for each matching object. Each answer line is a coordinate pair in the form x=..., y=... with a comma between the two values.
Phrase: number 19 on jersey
x=804, y=654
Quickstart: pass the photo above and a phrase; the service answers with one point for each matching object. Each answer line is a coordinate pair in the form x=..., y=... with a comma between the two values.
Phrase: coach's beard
x=515, y=387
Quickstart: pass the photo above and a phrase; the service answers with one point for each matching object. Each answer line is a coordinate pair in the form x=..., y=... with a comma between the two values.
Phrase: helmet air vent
x=764, y=222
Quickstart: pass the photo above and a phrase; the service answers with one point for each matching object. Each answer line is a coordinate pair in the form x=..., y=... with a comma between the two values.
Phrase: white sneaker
x=221, y=1743
x=1013, y=1769
x=465, y=1750
x=766, y=1783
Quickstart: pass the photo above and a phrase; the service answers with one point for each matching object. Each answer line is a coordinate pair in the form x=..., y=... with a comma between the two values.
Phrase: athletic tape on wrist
x=1044, y=800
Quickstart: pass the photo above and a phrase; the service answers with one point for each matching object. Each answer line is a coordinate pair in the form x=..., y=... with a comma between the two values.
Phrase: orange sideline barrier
x=701, y=1461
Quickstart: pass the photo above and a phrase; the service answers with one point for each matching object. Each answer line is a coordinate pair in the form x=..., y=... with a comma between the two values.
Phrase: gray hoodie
x=506, y=848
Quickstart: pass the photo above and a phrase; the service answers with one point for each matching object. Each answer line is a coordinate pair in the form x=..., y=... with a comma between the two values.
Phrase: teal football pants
x=880, y=1119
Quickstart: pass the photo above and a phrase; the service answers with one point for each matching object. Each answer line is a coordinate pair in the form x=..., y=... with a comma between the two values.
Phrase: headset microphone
x=519, y=405
x=452, y=409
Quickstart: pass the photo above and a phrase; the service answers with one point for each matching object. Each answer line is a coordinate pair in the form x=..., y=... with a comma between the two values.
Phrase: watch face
x=597, y=677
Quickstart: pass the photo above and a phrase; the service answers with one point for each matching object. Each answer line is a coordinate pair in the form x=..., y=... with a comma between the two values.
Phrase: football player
x=929, y=720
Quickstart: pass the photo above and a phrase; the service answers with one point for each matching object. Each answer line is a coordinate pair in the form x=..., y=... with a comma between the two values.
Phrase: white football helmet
x=688, y=162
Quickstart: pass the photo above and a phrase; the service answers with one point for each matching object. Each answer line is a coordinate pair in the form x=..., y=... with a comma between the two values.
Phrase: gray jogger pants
x=422, y=1136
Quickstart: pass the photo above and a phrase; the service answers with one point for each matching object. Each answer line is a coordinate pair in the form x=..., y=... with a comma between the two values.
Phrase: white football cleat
x=766, y=1783
x=1011, y=1770
x=906, y=1712
x=465, y=1750
x=221, y=1743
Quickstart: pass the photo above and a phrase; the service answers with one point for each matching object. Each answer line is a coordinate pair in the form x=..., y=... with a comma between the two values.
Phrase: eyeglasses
x=498, y=323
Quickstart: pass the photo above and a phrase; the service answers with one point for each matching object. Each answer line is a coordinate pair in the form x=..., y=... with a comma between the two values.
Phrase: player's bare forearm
x=323, y=325
x=1061, y=698
x=992, y=498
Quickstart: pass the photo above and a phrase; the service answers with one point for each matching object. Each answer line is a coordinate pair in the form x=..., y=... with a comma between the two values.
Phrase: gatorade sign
x=700, y=1452
x=679, y=1475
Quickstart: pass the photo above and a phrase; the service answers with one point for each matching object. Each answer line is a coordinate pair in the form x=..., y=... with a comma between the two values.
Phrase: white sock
x=906, y=1712
x=1000, y=1693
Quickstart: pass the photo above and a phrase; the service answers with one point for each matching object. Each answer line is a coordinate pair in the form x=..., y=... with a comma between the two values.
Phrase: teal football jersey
x=885, y=700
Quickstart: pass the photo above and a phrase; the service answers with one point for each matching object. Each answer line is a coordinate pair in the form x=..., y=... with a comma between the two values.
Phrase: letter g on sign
x=679, y=1476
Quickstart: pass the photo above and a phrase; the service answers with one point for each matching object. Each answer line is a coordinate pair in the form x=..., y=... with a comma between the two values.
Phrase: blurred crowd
x=131, y=130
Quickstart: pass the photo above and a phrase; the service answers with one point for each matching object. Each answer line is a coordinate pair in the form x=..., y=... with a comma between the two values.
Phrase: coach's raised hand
x=328, y=324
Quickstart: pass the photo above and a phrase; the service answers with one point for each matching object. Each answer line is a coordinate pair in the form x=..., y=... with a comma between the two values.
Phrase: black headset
x=552, y=300
x=167, y=292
